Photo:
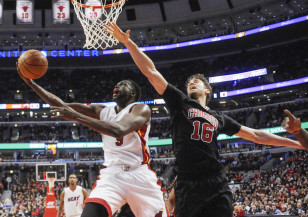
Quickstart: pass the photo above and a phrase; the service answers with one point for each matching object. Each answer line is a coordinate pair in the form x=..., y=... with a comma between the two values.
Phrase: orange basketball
x=32, y=64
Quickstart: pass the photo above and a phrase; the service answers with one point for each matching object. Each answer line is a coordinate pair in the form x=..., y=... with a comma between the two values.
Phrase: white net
x=93, y=15
x=51, y=182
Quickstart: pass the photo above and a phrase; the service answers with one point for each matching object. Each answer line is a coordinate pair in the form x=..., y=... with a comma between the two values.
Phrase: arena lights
x=54, y=53
x=238, y=76
x=95, y=53
x=102, y=103
x=151, y=142
x=20, y=106
x=263, y=87
x=80, y=145
x=223, y=94
x=148, y=102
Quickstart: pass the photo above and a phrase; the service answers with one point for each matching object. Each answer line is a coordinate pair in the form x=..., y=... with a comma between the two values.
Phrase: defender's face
x=195, y=87
x=72, y=180
x=122, y=90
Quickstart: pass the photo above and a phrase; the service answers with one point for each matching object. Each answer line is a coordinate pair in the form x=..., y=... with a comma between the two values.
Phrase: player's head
x=72, y=180
x=197, y=85
x=125, y=91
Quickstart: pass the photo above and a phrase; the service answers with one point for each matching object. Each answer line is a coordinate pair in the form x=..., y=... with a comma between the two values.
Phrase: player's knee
x=94, y=210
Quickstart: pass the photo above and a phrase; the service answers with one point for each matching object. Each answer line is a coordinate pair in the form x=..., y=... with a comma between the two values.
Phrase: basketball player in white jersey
x=124, y=128
x=72, y=198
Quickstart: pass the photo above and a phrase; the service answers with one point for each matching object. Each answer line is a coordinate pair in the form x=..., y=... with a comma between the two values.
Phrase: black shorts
x=207, y=197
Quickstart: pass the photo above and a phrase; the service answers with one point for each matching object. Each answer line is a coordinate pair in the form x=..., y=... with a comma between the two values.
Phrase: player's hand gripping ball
x=32, y=64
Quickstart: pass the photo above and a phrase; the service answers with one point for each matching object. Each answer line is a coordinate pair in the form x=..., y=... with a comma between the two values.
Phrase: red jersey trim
x=141, y=132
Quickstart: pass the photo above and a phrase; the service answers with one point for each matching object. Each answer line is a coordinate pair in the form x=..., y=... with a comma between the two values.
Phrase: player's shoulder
x=98, y=107
x=140, y=107
x=214, y=112
x=63, y=193
x=83, y=189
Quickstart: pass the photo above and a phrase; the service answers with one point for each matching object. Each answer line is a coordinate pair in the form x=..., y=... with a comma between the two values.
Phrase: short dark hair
x=72, y=174
x=137, y=90
x=205, y=82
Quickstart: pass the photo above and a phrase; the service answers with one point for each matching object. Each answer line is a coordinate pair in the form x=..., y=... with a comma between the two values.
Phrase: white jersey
x=73, y=201
x=132, y=149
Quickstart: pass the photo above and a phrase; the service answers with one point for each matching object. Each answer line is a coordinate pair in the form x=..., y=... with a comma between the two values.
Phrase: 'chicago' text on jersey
x=196, y=113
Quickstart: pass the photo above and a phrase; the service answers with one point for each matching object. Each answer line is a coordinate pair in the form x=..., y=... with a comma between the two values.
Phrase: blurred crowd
x=271, y=115
x=284, y=62
x=28, y=199
x=282, y=189
x=245, y=162
x=256, y=117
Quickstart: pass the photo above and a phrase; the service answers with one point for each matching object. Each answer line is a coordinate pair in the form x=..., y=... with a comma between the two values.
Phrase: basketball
x=32, y=64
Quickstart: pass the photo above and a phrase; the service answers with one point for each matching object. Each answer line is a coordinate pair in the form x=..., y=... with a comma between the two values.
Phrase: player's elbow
x=258, y=137
x=118, y=132
x=149, y=72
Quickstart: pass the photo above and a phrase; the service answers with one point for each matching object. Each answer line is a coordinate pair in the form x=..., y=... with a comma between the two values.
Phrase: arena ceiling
x=163, y=22
x=43, y=4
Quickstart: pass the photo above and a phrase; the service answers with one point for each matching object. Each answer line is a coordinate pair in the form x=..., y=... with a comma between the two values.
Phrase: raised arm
x=92, y=110
x=139, y=116
x=261, y=137
x=293, y=125
x=144, y=63
x=61, y=205
x=48, y=97
x=88, y=110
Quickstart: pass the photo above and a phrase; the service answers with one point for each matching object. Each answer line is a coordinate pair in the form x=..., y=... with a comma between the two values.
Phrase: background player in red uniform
x=202, y=187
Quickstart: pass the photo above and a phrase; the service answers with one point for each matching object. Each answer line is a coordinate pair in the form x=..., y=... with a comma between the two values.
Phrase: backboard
x=45, y=170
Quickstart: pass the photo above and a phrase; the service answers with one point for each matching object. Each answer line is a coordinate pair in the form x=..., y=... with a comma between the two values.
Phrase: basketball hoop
x=51, y=183
x=93, y=16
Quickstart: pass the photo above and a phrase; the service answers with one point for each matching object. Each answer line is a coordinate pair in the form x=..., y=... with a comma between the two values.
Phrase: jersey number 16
x=206, y=132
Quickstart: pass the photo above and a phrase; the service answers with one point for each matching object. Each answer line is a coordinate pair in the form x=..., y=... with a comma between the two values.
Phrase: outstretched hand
x=113, y=29
x=27, y=80
x=291, y=123
x=65, y=112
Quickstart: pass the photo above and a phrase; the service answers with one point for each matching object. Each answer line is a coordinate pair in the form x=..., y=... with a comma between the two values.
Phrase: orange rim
x=98, y=7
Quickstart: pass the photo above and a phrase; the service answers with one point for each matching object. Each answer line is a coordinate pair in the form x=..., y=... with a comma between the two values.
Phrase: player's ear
x=132, y=93
x=207, y=91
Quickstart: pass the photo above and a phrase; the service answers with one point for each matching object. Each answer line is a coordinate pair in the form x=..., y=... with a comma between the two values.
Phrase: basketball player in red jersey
x=72, y=198
x=293, y=125
x=202, y=187
x=124, y=129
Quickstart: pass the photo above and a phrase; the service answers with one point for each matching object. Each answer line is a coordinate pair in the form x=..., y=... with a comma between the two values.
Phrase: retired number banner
x=1, y=10
x=24, y=11
x=93, y=14
x=61, y=11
